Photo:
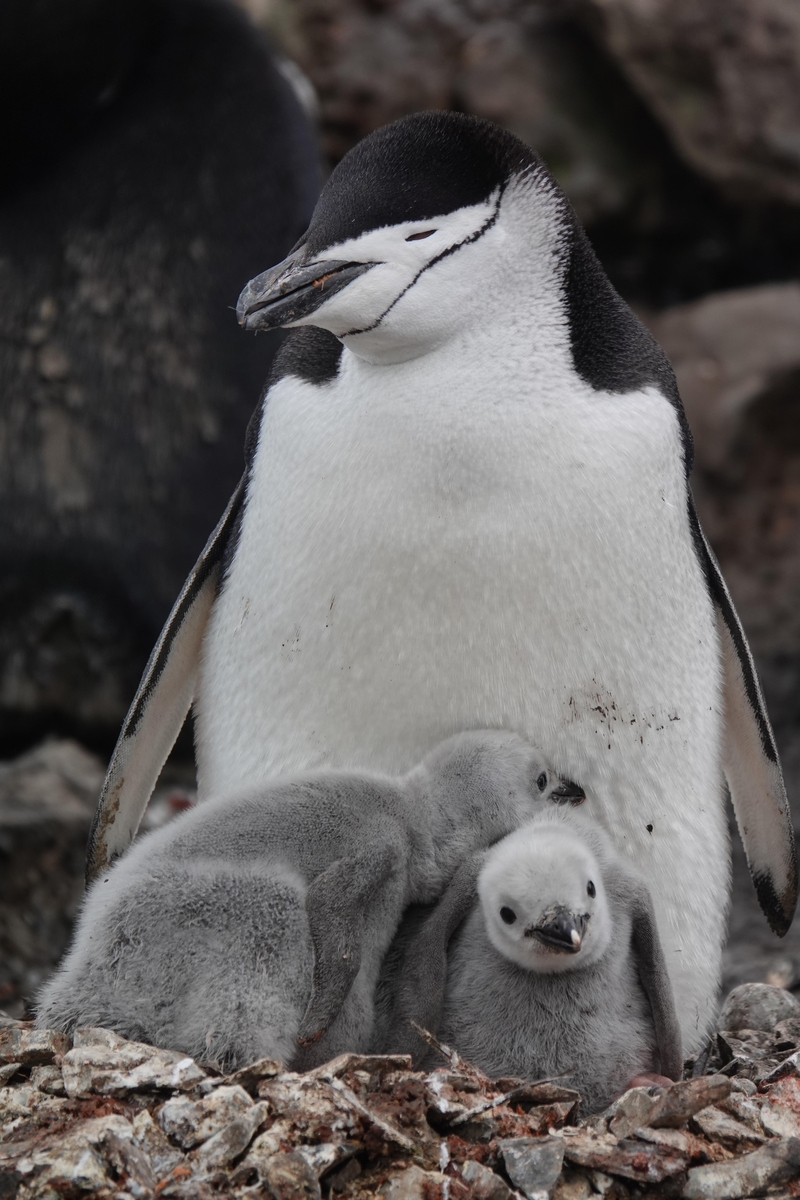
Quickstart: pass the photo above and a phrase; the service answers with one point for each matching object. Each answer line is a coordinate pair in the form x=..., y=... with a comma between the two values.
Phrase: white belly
x=412, y=564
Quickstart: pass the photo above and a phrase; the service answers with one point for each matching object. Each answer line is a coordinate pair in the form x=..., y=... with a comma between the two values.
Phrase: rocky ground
x=116, y=1119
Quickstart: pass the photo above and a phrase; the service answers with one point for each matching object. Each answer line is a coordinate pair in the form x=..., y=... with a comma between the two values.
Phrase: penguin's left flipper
x=653, y=971
x=159, y=707
x=337, y=902
x=423, y=975
x=750, y=759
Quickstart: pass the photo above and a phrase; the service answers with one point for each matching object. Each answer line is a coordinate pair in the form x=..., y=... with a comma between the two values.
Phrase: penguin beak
x=568, y=792
x=294, y=289
x=560, y=930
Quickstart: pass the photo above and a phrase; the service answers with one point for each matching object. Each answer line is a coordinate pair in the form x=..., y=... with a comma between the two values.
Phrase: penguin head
x=543, y=901
x=492, y=780
x=415, y=229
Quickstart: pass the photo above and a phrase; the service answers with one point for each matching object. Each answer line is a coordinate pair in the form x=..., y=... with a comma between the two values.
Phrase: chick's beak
x=293, y=289
x=560, y=930
x=567, y=792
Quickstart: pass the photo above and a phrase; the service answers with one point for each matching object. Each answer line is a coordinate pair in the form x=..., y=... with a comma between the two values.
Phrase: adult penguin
x=467, y=504
x=154, y=158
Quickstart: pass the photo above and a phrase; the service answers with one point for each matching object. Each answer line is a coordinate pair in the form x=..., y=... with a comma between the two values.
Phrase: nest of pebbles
x=101, y=1115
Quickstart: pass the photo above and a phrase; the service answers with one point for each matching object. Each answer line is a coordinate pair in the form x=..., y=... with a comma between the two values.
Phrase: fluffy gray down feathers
x=600, y=1024
x=222, y=934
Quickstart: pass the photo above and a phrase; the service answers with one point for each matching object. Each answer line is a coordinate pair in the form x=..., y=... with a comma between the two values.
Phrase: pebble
x=757, y=1006
x=533, y=1164
x=106, y=1064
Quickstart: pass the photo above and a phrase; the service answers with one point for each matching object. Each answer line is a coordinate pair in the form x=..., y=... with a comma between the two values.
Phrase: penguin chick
x=254, y=925
x=558, y=968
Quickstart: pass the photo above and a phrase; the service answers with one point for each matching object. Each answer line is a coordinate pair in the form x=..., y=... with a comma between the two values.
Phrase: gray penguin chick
x=558, y=967
x=256, y=924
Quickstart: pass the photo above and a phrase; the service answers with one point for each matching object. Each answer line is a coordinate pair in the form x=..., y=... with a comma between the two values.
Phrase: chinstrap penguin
x=557, y=968
x=466, y=504
x=258, y=923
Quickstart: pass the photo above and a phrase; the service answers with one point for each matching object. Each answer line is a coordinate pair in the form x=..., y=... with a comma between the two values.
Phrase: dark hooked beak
x=560, y=930
x=293, y=289
x=568, y=792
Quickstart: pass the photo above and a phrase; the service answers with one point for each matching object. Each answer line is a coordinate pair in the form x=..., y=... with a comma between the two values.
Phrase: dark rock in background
x=47, y=800
x=721, y=76
x=155, y=158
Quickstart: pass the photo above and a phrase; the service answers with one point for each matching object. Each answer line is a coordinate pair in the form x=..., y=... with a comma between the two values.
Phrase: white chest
x=417, y=559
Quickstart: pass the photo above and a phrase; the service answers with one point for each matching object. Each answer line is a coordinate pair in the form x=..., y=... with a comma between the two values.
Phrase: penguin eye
x=541, y=782
x=417, y=237
x=591, y=889
x=508, y=915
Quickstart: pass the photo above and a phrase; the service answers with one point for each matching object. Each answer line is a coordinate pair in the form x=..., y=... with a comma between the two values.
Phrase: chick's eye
x=417, y=237
x=591, y=889
x=541, y=782
x=508, y=915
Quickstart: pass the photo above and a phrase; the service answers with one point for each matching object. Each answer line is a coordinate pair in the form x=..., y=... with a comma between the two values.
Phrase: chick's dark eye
x=591, y=889
x=541, y=782
x=508, y=915
x=417, y=237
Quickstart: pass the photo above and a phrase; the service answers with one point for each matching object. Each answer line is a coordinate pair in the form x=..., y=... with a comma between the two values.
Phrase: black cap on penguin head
x=419, y=167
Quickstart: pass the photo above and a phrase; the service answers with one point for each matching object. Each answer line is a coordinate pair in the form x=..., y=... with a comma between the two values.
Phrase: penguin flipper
x=750, y=759
x=159, y=707
x=423, y=975
x=336, y=905
x=654, y=976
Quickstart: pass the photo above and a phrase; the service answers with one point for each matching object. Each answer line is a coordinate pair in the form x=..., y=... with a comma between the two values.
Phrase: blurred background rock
x=183, y=165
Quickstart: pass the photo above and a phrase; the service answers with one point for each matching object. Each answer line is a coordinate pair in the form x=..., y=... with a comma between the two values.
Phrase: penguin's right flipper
x=423, y=975
x=336, y=904
x=654, y=976
x=160, y=705
x=750, y=759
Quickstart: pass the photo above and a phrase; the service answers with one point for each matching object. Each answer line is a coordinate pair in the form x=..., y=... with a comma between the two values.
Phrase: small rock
x=48, y=1079
x=744, y=1109
x=337, y=1181
x=31, y=1047
x=633, y=1110
x=695, y=1148
x=24, y=1100
x=773, y=1164
x=250, y=1077
x=720, y=1127
x=573, y=1185
x=533, y=1164
x=78, y=1161
x=779, y=1121
x=130, y=1161
x=190, y=1122
x=231, y=1141
x=8, y=1071
x=484, y=1184
x=157, y=1147
x=415, y=1184
x=640, y=1161
x=289, y=1177
x=780, y=1114
x=682, y=1100
x=757, y=1006
x=105, y=1063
